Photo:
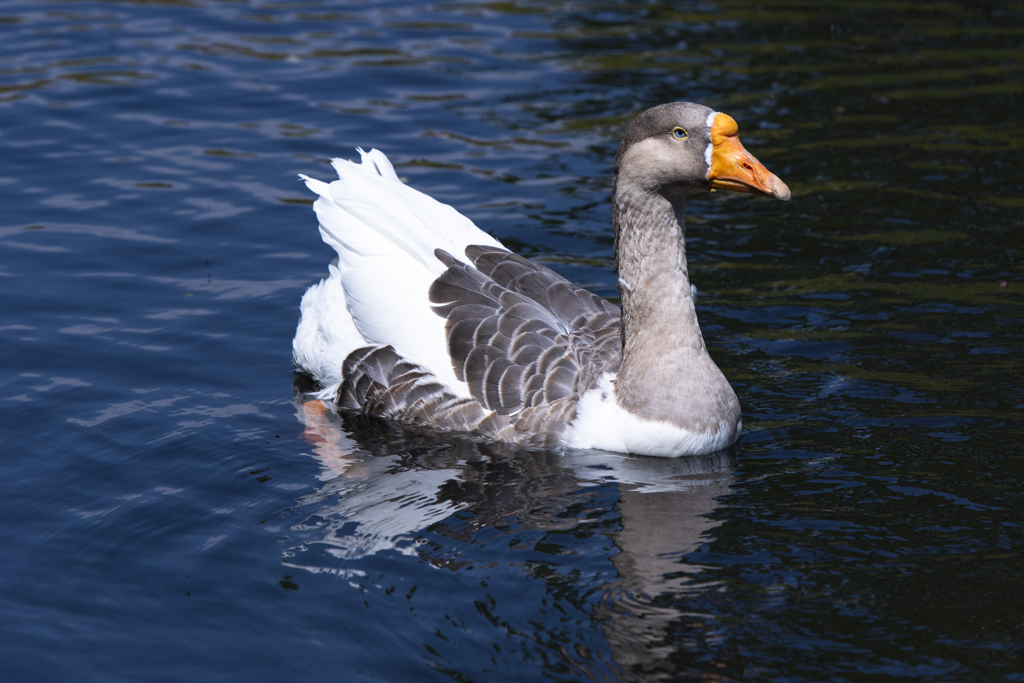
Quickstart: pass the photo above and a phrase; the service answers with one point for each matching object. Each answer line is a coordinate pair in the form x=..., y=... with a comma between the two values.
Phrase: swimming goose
x=427, y=320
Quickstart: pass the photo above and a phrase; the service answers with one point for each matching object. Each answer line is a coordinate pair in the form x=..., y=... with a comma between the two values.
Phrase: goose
x=426, y=320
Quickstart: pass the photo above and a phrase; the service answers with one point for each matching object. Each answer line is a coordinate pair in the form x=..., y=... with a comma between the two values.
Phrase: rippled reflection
x=378, y=495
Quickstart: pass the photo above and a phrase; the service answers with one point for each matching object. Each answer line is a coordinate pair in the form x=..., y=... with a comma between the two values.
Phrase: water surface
x=171, y=512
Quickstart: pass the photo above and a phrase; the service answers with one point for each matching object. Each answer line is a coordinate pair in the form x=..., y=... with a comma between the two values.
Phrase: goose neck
x=662, y=346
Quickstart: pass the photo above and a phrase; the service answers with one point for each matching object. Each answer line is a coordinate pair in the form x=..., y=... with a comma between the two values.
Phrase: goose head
x=681, y=148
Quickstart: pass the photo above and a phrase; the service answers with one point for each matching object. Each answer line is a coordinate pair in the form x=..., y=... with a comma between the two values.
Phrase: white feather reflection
x=373, y=503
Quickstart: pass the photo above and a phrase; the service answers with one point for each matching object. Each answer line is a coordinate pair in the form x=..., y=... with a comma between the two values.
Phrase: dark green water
x=170, y=513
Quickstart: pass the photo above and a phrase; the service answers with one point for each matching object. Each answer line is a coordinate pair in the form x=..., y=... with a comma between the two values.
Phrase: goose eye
x=679, y=133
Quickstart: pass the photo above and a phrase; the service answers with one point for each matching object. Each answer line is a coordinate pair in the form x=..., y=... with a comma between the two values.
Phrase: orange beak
x=734, y=168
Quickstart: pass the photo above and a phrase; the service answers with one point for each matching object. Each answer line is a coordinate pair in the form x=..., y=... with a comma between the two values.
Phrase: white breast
x=602, y=423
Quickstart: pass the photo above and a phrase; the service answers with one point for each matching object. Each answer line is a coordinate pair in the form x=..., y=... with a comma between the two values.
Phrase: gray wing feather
x=525, y=339
x=379, y=382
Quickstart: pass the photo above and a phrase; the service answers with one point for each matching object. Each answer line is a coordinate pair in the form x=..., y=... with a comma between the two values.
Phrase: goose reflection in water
x=383, y=486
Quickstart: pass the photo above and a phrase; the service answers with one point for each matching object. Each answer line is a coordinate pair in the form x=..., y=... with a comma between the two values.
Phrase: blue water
x=173, y=510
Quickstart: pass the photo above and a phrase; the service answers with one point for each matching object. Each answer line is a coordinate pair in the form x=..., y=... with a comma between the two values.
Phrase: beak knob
x=734, y=168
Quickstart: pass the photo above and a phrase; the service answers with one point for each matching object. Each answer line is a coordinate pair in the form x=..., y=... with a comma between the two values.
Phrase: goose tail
x=385, y=234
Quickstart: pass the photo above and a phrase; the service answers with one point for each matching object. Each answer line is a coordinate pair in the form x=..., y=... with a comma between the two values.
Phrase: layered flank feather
x=384, y=233
x=519, y=334
x=526, y=341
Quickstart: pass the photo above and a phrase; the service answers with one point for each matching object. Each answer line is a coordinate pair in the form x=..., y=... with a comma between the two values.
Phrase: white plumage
x=384, y=233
